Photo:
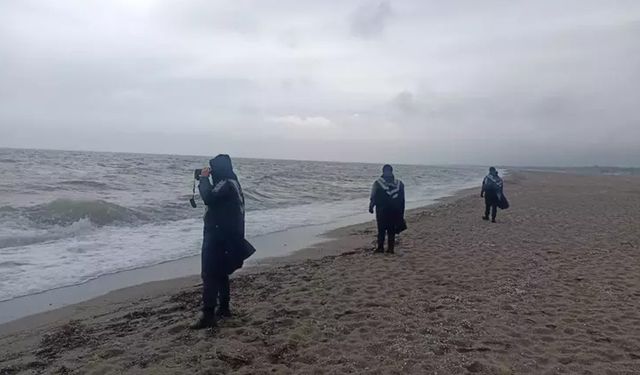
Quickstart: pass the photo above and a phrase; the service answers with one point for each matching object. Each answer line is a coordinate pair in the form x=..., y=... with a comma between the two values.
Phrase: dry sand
x=553, y=287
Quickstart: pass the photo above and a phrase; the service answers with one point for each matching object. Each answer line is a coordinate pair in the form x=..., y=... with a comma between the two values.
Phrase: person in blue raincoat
x=387, y=197
x=223, y=238
x=492, y=187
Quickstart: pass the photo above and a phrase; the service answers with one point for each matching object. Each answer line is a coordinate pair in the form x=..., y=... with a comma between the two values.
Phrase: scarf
x=496, y=181
x=392, y=187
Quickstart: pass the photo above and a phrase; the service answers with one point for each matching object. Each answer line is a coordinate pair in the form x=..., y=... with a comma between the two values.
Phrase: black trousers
x=491, y=204
x=215, y=280
x=386, y=229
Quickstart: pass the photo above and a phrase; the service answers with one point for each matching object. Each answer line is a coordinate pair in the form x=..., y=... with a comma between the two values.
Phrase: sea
x=67, y=217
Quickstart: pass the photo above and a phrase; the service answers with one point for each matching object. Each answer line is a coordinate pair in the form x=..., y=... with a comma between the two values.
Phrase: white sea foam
x=62, y=232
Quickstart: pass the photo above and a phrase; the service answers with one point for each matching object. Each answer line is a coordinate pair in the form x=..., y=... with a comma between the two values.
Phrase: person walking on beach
x=492, y=192
x=223, y=233
x=387, y=197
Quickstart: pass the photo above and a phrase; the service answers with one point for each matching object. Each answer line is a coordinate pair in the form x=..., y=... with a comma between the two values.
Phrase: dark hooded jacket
x=224, y=218
x=224, y=200
x=387, y=195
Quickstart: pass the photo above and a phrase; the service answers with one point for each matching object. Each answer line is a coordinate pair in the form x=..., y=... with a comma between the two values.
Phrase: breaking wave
x=64, y=212
x=29, y=236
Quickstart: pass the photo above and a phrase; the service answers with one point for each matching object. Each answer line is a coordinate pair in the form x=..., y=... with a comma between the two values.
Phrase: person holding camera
x=224, y=230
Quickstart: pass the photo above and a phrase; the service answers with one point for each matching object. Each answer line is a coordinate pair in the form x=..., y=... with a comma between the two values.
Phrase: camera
x=196, y=177
x=197, y=173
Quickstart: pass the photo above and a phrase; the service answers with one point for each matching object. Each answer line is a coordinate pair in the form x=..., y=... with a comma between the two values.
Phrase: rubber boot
x=380, y=248
x=223, y=311
x=392, y=245
x=206, y=320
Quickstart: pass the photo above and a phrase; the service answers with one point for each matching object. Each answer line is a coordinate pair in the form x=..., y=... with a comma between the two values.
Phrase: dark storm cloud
x=405, y=103
x=370, y=19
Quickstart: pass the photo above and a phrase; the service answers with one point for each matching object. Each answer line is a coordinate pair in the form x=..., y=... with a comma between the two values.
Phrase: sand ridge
x=552, y=288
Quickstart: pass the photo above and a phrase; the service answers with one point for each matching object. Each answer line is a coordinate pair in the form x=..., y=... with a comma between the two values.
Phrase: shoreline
x=551, y=288
x=294, y=244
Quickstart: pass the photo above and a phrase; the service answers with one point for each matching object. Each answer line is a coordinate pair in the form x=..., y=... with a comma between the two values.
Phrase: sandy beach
x=552, y=288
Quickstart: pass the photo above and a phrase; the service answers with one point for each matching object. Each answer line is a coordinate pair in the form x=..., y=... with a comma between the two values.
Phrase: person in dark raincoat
x=387, y=197
x=492, y=186
x=224, y=232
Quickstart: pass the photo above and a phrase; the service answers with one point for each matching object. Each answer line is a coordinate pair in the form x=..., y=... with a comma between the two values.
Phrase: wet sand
x=273, y=245
x=553, y=287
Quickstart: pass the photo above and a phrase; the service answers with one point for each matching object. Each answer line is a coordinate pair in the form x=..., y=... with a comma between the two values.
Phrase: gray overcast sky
x=540, y=82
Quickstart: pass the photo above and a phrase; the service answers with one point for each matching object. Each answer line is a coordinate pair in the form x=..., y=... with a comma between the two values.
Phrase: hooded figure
x=492, y=186
x=387, y=197
x=223, y=246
